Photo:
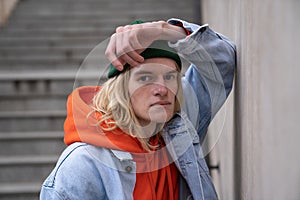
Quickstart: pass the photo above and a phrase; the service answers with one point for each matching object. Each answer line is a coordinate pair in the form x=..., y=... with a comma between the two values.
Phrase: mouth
x=161, y=103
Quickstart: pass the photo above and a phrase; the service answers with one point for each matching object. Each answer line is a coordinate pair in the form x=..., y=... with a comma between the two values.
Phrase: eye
x=145, y=78
x=170, y=77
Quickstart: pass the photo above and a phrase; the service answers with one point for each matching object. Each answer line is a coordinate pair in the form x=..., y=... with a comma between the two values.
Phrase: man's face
x=152, y=88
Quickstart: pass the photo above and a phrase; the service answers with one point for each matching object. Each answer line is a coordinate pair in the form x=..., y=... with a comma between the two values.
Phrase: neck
x=151, y=129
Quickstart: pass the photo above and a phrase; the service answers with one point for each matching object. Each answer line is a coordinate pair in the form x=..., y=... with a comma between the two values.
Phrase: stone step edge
x=32, y=114
x=32, y=135
x=57, y=48
x=19, y=188
x=25, y=96
x=33, y=75
x=28, y=160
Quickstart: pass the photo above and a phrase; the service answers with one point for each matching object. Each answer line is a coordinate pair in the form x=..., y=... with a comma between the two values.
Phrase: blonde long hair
x=113, y=102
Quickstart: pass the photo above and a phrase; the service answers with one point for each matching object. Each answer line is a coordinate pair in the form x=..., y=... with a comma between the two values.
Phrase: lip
x=161, y=103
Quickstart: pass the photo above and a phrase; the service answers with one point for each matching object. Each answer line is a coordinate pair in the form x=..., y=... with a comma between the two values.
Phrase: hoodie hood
x=80, y=124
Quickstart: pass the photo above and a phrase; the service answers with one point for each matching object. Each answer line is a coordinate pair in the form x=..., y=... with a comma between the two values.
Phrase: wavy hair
x=113, y=102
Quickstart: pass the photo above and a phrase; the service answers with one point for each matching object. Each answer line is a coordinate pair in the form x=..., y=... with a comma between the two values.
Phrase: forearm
x=171, y=32
x=212, y=56
x=210, y=76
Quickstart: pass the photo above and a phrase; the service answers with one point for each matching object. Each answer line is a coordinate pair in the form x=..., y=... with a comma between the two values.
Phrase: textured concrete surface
x=258, y=149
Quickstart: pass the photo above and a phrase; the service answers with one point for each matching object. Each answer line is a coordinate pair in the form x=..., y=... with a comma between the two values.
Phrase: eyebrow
x=143, y=72
x=150, y=72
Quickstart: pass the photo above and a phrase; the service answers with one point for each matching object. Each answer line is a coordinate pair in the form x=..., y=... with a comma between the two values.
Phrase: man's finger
x=110, y=53
x=136, y=49
x=127, y=59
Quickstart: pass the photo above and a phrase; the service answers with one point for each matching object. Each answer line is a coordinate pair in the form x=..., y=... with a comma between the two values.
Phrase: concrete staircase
x=41, y=50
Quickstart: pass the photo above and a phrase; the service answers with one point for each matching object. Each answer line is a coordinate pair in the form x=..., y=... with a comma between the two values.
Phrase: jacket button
x=128, y=169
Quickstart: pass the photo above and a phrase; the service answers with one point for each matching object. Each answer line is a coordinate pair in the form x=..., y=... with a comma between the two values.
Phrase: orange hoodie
x=155, y=178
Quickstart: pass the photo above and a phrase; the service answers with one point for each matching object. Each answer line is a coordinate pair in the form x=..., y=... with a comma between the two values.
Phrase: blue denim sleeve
x=208, y=81
x=74, y=177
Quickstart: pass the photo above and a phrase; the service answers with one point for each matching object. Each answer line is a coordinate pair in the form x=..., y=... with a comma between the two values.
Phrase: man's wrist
x=171, y=32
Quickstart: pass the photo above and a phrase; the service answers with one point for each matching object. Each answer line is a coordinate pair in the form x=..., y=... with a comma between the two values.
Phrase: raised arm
x=208, y=81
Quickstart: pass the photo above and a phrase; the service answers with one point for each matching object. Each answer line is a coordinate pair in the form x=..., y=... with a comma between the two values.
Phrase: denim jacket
x=88, y=172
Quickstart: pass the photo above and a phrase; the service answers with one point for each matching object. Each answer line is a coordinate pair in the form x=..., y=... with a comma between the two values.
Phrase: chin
x=160, y=115
x=160, y=118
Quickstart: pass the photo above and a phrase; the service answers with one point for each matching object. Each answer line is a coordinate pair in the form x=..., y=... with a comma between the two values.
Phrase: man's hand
x=129, y=41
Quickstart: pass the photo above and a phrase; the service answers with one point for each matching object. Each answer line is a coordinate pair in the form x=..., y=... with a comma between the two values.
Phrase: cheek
x=172, y=87
x=138, y=100
x=135, y=89
x=134, y=100
x=139, y=92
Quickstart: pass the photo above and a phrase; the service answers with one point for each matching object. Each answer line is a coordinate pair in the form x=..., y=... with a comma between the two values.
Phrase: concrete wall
x=6, y=7
x=258, y=150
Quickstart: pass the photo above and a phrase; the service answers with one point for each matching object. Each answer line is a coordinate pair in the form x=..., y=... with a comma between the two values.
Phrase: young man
x=139, y=135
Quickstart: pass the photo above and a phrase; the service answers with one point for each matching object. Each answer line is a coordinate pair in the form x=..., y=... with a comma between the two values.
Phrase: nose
x=160, y=89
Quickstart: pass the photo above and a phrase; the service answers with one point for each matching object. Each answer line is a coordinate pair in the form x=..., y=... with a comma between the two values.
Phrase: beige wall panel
x=266, y=148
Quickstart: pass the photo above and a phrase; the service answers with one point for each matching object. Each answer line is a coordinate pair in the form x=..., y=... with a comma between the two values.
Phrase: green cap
x=158, y=49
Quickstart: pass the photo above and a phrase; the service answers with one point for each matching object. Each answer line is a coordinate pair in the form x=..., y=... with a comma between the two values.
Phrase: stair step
x=40, y=60
x=27, y=160
x=11, y=52
x=33, y=82
x=50, y=120
x=43, y=75
x=70, y=22
x=51, y=42
x=37, y=88
x=45, y=62
x=18, y=169
x=19, y=188
x=103, y=4
x=34, y=135
x=93, y=26
x=75, y=48
x=106, y=22
x=21, y=67
x=86, y=22
x=31, y=143
x=31, y=114
x=146, y=15
x=61, y=32
x=51, y=60
x=100, y=13
x=59, y=65
x=32, y=102
x=27, y=147
x=66, y=54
